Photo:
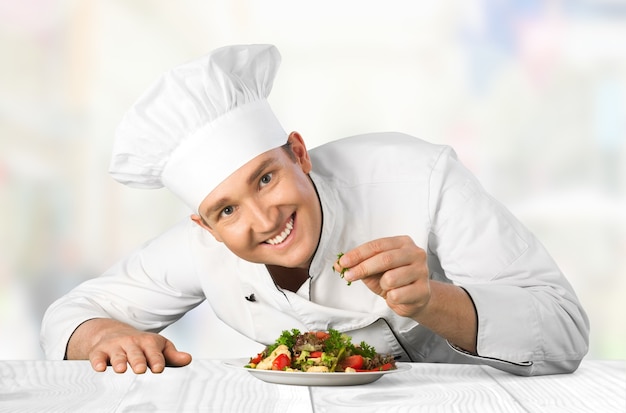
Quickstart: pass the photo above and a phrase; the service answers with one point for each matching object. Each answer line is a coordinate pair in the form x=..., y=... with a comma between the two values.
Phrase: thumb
x=173, y=357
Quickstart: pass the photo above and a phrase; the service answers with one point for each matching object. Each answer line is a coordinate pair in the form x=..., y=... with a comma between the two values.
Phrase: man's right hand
x=109, y=342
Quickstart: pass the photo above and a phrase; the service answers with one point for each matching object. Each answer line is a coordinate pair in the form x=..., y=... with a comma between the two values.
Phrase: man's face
x=267, y=211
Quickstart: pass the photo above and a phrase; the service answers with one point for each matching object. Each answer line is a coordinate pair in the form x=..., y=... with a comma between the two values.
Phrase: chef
x=433, y=268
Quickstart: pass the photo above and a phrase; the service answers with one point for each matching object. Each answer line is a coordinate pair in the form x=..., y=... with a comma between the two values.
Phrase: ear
x=202, y=223
x=299, y=150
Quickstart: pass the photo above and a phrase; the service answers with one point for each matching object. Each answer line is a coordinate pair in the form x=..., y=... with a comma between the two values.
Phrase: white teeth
x=280, y=238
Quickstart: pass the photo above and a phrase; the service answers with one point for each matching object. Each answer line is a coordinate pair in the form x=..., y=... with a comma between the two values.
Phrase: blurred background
x=531, y=94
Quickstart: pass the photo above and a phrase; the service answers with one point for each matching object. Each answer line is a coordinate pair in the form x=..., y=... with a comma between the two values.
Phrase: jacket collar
x=332, y=224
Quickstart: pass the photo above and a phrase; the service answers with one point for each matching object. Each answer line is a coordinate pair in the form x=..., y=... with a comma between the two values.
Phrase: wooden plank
x=424, y=388
x=54, y=386
x=597, y=386
x=210, y=385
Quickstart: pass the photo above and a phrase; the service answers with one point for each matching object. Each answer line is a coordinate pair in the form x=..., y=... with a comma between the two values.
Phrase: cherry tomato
x=257, y=359
x=281, y=362
x=384, y=367
x=355, y=362
x=322, y=335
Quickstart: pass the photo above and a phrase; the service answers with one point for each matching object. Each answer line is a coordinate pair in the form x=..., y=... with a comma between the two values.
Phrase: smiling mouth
x=283, y=235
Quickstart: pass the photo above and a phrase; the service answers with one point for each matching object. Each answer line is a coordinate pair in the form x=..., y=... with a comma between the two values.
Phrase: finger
x=173, y=357
x=399, y=277
x=156, y=361
x=378, y=256
x=373, y=283
x=146, y=352
x=119, y=361
x=378, y=264
x=410, y=299
x=359, y=254
x=414, y=294
x=137, y=359
x=98, y=360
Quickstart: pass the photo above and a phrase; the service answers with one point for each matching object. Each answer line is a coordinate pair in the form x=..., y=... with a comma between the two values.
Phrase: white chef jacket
x=530, y=321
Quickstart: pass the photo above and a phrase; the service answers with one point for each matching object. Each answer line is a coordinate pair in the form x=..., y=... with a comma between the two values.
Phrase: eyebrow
x=217, y=206
x=254, y=176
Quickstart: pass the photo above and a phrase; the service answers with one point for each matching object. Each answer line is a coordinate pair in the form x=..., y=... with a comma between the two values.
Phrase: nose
x=262, y=218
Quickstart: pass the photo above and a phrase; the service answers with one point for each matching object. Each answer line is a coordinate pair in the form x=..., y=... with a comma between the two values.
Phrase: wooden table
x=212, y=386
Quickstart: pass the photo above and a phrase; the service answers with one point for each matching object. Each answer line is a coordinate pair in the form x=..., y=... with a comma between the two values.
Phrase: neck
x=288, y=278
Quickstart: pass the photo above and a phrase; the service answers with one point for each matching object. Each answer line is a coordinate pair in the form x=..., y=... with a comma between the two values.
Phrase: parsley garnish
x=343, y=270
x=287, y=338
x=336, y=341
x=365, y=350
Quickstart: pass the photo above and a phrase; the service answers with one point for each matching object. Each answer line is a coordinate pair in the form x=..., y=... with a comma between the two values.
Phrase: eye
x=265, y=179
x=227, y=211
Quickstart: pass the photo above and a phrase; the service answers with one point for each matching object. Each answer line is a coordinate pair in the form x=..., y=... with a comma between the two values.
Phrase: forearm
x=450, y=313
x=529, y=324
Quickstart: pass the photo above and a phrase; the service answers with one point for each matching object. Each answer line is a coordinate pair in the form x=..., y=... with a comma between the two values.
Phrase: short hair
x=287, y=148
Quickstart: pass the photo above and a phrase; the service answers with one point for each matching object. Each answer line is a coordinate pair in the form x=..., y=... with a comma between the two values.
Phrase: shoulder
x=176, y=236
x=176, y=246
x=388, y=154
x=176, y=258
x=376, y=140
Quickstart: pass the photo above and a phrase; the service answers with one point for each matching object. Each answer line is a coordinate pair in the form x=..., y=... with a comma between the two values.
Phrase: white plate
x=299, y=378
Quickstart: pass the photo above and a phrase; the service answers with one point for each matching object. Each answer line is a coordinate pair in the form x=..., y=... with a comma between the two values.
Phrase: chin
x=298, y=262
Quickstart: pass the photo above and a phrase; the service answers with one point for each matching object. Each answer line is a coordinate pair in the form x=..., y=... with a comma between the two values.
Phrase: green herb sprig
x=287, y=338
x=343, y=270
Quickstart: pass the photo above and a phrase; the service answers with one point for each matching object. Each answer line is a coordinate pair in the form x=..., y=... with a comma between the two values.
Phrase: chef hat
x=199, y=123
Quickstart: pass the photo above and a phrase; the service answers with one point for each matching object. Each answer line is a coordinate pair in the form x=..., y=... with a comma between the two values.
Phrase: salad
x=320, y=351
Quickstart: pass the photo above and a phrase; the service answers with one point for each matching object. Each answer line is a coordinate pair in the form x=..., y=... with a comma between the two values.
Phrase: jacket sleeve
x=150, y=289
x=530, y=321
